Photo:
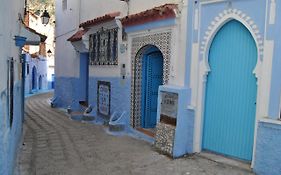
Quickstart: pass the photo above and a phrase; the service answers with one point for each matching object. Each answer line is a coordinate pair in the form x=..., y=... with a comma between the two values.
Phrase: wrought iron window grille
x=103, y=47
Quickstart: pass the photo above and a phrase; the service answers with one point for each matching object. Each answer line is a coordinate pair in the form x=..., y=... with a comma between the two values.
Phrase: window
x=27, y=69
x=10, y=89
x=104, y=47
x=64, y=4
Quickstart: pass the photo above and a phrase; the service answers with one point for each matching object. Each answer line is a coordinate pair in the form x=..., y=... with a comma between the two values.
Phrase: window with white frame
x=10, y=89
x=103, y=47
x=27, y=69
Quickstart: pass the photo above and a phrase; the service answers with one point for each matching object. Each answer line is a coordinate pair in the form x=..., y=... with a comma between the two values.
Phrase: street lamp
x=45, y=17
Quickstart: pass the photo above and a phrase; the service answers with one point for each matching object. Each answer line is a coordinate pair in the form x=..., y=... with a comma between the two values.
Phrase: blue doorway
x=40, y=82
x=231, y=90
x=84, y=77
x=152, y=78
x=34, y=78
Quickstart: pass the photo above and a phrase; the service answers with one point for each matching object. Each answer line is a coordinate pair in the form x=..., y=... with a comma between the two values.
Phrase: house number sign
x=169, y=104
x=104, y=98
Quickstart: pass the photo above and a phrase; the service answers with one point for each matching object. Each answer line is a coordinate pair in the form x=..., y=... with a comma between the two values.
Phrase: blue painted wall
x=120, y=93
x=268, y=149
x=70, y=90
x=67, y=92
x=10, y=136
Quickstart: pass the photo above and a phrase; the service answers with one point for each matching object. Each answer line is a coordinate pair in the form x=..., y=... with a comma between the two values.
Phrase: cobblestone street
x=56, y=145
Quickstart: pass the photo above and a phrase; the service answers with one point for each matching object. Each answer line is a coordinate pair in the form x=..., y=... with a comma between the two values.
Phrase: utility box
x=174, y=130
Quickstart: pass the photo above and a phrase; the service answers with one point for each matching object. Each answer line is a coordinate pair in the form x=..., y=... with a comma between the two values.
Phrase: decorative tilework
x=225, y=16
x=139, y=46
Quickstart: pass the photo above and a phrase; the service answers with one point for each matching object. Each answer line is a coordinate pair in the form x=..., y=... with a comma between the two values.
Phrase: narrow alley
x=54, y=144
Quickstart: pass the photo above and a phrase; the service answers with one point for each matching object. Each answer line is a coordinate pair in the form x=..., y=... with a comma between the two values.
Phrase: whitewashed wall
x=95, y=8
x=67, y=22
x=9, y=135
x=9, y=28
x=136, y=6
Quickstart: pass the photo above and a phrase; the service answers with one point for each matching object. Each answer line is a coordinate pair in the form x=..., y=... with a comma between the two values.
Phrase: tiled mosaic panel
x=139, y=44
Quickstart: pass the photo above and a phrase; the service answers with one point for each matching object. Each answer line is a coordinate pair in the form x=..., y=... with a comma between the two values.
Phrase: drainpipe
x=23, y=61
x=128, y=6
x=79, y=15
x=20, y=42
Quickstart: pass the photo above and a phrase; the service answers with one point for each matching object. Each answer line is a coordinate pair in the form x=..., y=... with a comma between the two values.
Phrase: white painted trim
x=272, y=12
x=280, y=108
x=204, y=2
x=271, y=121
x=263, y=91
x=150, y=32
x=223, y=18
x=194, y=72
x=196, y=19
x=204, y=68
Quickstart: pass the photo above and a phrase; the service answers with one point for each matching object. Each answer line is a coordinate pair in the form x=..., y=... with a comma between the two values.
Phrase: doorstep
x=226, y=160
x=148, y=132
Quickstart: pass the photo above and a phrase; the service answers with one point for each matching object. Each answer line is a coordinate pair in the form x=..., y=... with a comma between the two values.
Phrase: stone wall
x=164, y=140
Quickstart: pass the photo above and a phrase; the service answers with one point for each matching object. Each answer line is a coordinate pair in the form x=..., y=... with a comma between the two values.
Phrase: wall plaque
x=169, y=104
x=104, y=98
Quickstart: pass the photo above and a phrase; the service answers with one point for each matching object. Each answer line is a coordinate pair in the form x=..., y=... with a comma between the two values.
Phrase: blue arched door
x=152, y=78
x=40, y=82
x=34, y=78
x=230, y=101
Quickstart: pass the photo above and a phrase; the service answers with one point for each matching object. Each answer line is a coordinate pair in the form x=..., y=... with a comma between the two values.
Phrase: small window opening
x=64, y=4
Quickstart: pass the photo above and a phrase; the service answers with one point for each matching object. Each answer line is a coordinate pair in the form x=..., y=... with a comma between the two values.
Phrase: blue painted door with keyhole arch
x=34, y=78
x=152, y=78
x=231, y=90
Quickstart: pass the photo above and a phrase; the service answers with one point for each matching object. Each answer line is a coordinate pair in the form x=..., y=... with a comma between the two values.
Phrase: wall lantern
x=49, y=53
x=45, y=17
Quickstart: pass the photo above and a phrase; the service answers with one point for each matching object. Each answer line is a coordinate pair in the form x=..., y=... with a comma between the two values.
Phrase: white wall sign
x=169, y=104
x=104, y=98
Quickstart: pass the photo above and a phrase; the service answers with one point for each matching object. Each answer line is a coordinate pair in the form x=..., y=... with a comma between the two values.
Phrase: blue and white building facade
x=221, y=58
x=36, y=74
x=161, y=33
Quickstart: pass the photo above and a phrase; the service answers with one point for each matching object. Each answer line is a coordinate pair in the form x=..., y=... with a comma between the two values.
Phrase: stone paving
x=55, y=145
